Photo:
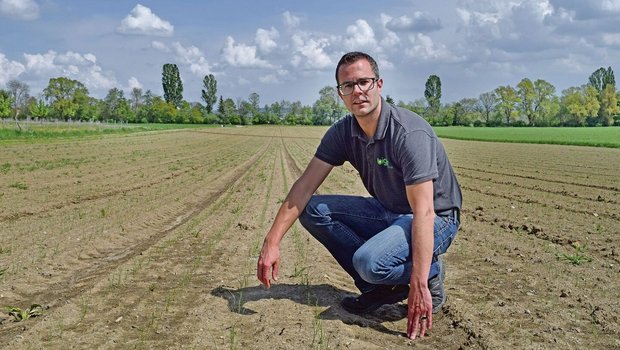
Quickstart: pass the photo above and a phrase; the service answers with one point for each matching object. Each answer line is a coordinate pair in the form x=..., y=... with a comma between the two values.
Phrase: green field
x=596, y=137
x=42, y=131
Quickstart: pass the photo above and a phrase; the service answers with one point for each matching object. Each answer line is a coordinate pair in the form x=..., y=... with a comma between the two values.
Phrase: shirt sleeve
x=417, y=155
x=331, y=148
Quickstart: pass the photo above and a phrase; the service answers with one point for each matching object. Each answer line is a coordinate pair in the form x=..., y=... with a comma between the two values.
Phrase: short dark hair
x=354, y=56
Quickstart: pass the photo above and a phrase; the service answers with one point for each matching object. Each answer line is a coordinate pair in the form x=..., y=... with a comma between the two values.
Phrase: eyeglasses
x=364, y=84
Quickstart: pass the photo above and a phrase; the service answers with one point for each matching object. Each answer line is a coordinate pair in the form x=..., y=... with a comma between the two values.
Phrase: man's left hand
x=419, y=311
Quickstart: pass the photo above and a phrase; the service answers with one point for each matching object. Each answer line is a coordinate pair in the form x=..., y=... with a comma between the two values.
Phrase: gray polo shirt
x=403, y=151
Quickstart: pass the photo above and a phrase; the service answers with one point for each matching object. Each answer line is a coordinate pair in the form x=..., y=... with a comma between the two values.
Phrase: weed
x=319, y=340
x=578, y=257
x=2, y=271
x=255, y=249
x=5, y=167
x=600, y=229
x=232, y=337
x=84, y=307
x=103, y=213
x=19, y=185
x=5, y=250
x=24, y=314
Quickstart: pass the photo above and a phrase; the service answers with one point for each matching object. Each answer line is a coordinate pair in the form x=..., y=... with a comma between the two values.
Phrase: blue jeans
x=370, y=242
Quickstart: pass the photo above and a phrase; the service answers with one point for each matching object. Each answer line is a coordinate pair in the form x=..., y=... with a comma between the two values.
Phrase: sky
x=288, y=50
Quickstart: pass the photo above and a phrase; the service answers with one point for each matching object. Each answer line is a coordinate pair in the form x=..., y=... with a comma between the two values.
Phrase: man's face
x=360, y=103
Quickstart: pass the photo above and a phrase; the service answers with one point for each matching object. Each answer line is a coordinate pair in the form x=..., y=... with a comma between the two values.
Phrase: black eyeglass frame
x=352, y=84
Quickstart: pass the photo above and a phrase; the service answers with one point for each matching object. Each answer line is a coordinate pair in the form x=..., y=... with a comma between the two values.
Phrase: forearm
x=422, y=241
x=289, y=211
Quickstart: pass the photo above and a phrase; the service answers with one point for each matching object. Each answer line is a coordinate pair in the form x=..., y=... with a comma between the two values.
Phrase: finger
x=423, y=322
x=412, y=324
x=276, y=269
x=259, y=271
x=413, y=331
x=263, y=274
x=429, y=320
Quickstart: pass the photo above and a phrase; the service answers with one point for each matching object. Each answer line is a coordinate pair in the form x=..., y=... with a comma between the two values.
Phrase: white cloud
x=360, y=35
x=269, y=79
x=158, y=45
x=9, y=69
x=423, y=48
x=242, y=55
x=311, y=52
x=290, y=20
x=82, y=67
x=274, y=78
x=265, y=39
x=419, y=22
x=19, y=9
x=611, y=5
x=611, y=39
x=243, y=81
x=133, y=82
x=193, y=57
x=390, y=39
x=141, y=20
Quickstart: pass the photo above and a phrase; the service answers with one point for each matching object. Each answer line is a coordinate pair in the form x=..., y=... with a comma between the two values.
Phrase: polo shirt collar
x=384, y=117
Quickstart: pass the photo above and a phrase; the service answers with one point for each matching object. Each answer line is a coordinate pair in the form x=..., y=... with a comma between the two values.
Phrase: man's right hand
x=268, y=263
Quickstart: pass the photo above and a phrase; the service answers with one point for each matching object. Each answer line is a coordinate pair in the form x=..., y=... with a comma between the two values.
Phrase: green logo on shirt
x=384, y=162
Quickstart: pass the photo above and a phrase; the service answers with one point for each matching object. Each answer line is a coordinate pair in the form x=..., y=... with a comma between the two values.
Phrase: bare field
x=150, y=241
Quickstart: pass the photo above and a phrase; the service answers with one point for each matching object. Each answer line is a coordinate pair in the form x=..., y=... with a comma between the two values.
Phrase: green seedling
x=22, y=315
x=19, y=185
x=578, y=257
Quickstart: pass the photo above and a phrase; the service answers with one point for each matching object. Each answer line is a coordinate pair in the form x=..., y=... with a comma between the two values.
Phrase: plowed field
x=150, y=241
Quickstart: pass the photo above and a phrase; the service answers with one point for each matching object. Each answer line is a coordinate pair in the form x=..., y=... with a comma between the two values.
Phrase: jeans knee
x=368, y=267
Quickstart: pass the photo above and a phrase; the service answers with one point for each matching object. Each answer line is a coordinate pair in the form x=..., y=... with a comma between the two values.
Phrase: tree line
x=530, y=103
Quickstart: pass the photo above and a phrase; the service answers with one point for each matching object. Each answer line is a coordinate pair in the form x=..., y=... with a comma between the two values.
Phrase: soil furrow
x=84, y=279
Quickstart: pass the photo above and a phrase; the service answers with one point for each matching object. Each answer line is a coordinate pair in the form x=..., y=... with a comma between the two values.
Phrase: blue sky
x=288, y=49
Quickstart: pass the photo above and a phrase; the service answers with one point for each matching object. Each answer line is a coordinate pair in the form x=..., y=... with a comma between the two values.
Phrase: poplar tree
x=209, y=93
x=172, y=84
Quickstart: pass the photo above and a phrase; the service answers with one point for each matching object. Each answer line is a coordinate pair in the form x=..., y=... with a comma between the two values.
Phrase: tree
x=327, y=108
x=417, y=106
x=600, y=79
x=5, y=104
x=580, y=103
x=115, y=106
x=19, y=97
x=545, y=104
x=389, y=99
x=254, y=100
x=65, y=97
x=507, y=98
x=609, y=105
x=172, y=84
x=229, y=112
x=37, y=108
x=136, y=98
x=209, y=93
x=463, y=112
x=527, y=96
x=487, y=103
x=432, y=93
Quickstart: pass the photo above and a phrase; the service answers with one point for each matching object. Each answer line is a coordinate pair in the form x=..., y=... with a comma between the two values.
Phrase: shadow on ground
x=321, y=295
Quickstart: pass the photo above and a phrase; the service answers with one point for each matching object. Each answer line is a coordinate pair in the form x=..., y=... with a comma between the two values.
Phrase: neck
x=368, y=123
